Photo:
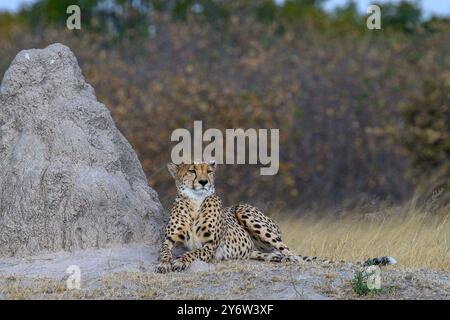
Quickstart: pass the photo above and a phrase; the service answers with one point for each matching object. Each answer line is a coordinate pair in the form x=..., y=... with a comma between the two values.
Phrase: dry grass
x=235, y=280
x=418, y=237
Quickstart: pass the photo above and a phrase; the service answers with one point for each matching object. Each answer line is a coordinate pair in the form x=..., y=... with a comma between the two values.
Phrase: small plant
x=359, y=283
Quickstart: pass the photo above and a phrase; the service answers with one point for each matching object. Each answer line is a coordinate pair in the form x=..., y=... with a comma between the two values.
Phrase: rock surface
x=68, y=178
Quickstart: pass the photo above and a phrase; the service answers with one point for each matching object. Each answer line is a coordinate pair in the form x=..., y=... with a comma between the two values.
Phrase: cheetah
x=210, y=232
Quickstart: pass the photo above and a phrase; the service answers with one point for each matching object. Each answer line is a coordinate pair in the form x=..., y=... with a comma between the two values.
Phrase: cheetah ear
x=172, y=167
x=213, y=164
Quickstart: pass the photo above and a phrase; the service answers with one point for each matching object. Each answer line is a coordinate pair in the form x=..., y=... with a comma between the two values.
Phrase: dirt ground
x=127, y=273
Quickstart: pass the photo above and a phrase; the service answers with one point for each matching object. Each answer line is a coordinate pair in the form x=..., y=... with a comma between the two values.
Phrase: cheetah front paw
x=163, y=267
x=180, y=264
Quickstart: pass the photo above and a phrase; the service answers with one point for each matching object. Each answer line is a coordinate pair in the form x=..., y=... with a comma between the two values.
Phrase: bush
x=427, y=134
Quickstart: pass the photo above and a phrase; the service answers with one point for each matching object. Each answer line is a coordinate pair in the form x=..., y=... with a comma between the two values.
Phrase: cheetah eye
x=209, y=171
x=192, y=171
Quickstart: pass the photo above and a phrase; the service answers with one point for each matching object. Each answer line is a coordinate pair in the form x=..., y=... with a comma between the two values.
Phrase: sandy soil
x=127, y=273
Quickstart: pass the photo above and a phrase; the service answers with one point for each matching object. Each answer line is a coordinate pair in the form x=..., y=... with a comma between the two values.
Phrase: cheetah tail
x=379, y=261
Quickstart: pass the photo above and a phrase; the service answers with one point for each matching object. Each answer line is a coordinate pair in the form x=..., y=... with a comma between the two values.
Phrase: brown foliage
x=333, y=98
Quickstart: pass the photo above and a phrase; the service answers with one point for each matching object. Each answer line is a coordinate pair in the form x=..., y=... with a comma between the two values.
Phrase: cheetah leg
x=208, y=229
x=265, y=256
x=264, y=231
x=172, y=235
x=165, y=257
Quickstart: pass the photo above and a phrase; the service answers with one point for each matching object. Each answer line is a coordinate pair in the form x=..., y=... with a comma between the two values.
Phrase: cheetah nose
x=203, y=182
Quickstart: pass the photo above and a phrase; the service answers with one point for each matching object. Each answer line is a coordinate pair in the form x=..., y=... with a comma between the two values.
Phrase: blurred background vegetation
x=364, y=115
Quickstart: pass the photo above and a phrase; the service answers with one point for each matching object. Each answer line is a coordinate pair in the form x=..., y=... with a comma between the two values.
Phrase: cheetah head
x=195, y=181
